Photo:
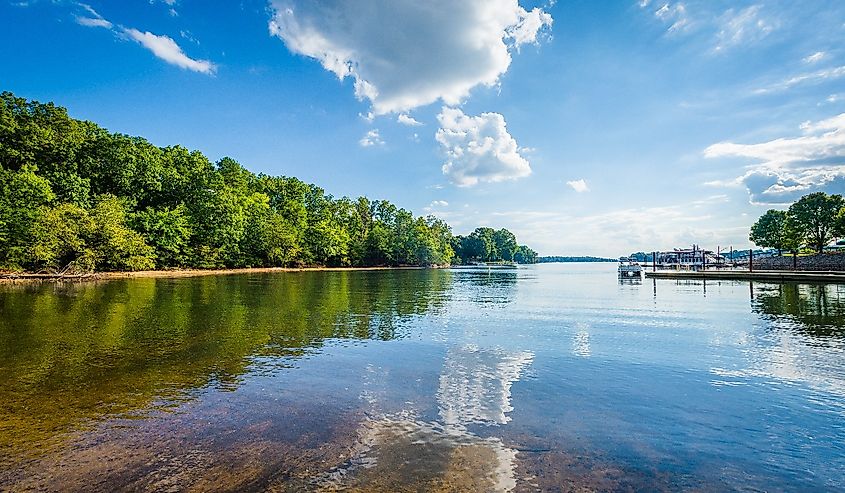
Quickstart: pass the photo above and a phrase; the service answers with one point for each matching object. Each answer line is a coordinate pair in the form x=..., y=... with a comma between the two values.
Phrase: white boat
x=629, y=267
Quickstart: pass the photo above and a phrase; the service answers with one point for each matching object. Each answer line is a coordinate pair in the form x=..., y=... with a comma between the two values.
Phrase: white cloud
x=674, y=15
x=162, y=47
x=403, y=54
x=406, y=119
x=530, y=25
x=372, y=138
x=743, y=27
x=93, y=22
x=817, y=77
x=165, y=48
x=790, y=167
x=579, y=186
x=92, y=19
x=188, y=36
x=436, y=204
x=479, y=148
x=815, y=57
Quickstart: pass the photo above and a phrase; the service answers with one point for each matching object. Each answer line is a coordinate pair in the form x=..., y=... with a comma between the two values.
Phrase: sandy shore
x=174, y=273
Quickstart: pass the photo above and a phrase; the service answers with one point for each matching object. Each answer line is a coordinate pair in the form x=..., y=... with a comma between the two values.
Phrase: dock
x=745, y=275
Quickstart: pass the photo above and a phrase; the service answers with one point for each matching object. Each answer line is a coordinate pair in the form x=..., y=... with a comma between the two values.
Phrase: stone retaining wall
x=822, y=262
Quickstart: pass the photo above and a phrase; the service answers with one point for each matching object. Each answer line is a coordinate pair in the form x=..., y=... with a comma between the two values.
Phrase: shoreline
x=6, y=277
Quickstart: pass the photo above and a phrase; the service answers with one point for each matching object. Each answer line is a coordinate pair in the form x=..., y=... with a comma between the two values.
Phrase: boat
x=629, y=267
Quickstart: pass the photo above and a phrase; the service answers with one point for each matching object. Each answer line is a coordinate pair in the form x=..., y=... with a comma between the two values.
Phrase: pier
x=747, y=275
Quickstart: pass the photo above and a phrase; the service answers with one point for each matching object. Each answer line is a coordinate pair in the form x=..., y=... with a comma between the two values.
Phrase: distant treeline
x=76, y=197
x=553, y=259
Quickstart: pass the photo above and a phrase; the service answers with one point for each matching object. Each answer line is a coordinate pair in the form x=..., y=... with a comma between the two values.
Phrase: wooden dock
x=744, y=275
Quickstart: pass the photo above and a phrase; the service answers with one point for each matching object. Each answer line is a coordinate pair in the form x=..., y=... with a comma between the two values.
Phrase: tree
x=168, y=231
x=59, y=239
x=839, y=225
x=116, y=246
x=22, y=195
x=505, y=244
x=768, y=231
x=74, y=195
x=525, y=255
x=815, y=217
x=792, y=239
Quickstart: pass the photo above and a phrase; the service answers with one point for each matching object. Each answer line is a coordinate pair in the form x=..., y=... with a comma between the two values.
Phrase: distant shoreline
x=180, y=273
x=559, y=259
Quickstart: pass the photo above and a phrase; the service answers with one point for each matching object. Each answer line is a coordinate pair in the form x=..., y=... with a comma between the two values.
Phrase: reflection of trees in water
x=486, y=285
x=816, y=309
x=803, y=337
x=73, y=352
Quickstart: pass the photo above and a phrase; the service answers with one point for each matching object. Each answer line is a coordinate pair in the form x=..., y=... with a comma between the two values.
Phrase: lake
x=550, y=377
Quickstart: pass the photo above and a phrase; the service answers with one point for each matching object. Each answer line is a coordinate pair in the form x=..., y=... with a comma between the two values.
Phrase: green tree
x=839, y=225
x=815, y=216
x=22, y=197
x=115, y=245
x=60, y=239
x=768, y=231
x=168, y=231
x=505, y=244
x=74, y=195
x=792, y=239
x=525, y=255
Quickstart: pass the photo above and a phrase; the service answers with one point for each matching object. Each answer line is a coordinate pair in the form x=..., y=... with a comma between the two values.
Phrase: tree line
x=563, y=259
x=813, y=222
x=76, y=197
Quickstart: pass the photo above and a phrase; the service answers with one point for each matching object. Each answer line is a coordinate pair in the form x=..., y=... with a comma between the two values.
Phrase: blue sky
x=584, y=127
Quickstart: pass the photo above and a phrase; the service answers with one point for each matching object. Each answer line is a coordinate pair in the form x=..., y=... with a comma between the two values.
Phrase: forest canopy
x=75, y=197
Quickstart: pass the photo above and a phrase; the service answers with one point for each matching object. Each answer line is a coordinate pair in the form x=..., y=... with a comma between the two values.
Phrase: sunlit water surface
x=549, y=377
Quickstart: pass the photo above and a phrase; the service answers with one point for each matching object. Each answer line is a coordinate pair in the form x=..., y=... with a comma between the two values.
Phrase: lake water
x=550, y=377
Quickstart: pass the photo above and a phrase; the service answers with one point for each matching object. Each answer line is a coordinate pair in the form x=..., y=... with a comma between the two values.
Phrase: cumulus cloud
x=742, y=27
x=406, y=119
x=479, y=148
x=372, y=138
x=579, y=186
x=788, y=168
x=402, y=54
x=165, y=48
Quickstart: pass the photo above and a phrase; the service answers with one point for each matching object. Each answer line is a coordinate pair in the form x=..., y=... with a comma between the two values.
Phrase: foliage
x=814, y=221
x=22, y=195
x=815, y=217
x=489, y=245
x=75, y=196
x=769, y=230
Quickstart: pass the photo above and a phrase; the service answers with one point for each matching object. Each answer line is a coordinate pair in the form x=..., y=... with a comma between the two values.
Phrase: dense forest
x=75, y=197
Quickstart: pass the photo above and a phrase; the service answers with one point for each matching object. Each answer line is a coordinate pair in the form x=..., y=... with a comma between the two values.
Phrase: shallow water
x=549, y=377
